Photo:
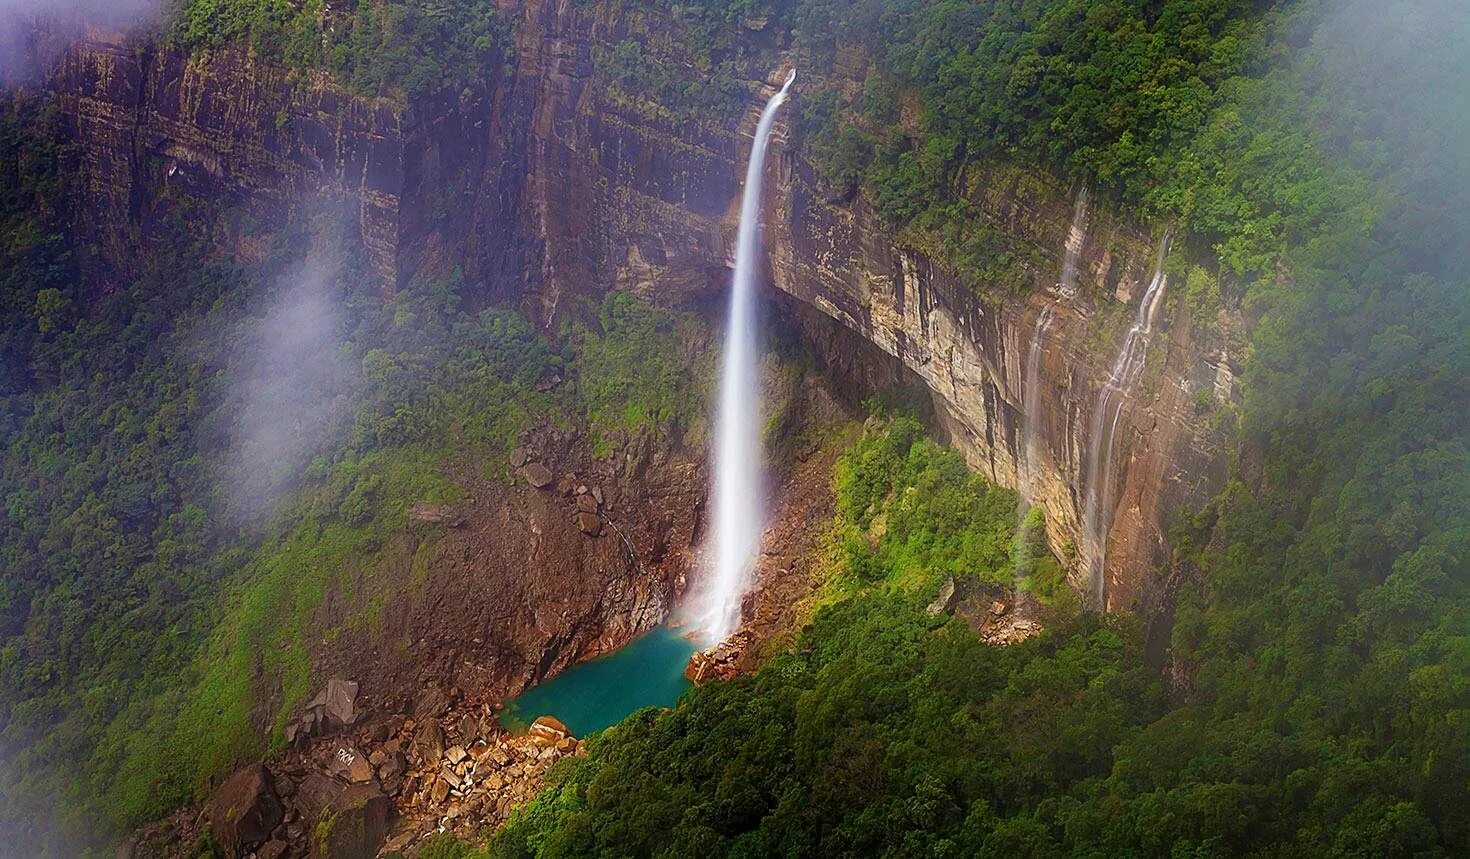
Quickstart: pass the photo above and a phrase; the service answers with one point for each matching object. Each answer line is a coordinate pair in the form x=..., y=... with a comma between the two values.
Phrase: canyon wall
x=544, y=186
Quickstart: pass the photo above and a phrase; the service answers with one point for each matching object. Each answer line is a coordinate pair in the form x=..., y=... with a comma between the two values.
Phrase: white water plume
x=737, y=504
x=1097, y=513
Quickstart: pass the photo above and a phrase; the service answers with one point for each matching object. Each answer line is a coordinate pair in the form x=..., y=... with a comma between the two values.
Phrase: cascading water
x=1031, y=404
x=1031, y=418
x=1097, y=513
x=736, y=532
x=1033, y=440
x=1072, y=250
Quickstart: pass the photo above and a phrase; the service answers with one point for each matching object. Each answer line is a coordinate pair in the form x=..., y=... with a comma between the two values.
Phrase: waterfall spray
x=736, y=532
x=1098, y=512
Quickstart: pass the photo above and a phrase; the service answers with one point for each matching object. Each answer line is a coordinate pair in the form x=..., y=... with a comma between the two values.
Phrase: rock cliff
x=544, y=184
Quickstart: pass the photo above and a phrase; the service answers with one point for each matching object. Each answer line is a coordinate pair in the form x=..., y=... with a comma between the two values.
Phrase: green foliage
x=1322, y=637
x=664, y=88
x=884, y=732
x=143, y=621
x=641, y=370
x=909, y=513
x=411, y=47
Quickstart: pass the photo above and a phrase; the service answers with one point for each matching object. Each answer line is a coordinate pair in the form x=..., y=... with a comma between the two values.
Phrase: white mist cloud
x=23, y=21
x=292, y=383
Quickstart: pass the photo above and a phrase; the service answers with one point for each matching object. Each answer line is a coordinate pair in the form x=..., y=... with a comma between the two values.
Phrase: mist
x=289, y=389
x=22, y=22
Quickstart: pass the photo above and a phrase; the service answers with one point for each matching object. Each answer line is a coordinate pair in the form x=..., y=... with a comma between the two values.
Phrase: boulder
x=469, y=730
x=701, y=668
x=586, y=504
x=244, y=810
x=431, y=701
x=337, y=702
x=354, y=825
x=317, y=792
x=589, y=523
x=537, y=474
x=548, y=728
x=350, y=765
x=428, y=743
x=519, y=457
x=392, y=767
x=944, y=602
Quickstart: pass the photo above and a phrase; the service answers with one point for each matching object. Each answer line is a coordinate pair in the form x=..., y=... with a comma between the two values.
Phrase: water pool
x=647, y=672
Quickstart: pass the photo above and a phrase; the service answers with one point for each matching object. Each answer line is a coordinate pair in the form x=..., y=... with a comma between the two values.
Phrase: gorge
x=1074, y=464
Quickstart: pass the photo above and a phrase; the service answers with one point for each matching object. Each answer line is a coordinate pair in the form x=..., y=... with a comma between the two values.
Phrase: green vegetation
x=884, y=729
x=909, y=514
x=887, y=732
x=637, y=370
x=1318, y=697
x=411, y=47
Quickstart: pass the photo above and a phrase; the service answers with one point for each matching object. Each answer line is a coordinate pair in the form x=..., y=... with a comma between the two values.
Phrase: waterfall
x=1072, y=250
x=737, y=514
x=1031, y=403
x=1098, y=511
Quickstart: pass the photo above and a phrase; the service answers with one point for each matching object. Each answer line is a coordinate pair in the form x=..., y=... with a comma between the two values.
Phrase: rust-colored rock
x=354, y=825
x=589, y=523
x=549, y=728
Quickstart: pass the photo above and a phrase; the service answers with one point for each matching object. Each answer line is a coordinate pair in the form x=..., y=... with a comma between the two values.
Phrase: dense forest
x=1316, y=697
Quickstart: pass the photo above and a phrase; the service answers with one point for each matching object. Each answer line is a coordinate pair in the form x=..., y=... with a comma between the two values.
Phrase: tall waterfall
x=737, y=514
x=1097, y=514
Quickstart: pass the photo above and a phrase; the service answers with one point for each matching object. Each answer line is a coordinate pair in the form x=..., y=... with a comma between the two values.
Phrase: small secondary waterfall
x=1097, y=514
x=1033, y=447
x=1031, y=417
x=737, y=514
x=1072, y=250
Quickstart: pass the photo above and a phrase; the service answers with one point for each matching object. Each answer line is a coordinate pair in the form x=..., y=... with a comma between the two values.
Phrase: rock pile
x=721, y=662
x=475, y=781
x=381, y=784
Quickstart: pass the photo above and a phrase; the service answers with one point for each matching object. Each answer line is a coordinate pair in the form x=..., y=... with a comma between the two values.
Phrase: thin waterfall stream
x=738, y=518
x=1098, y=511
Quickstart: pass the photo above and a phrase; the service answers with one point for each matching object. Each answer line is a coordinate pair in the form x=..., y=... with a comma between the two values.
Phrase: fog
x=22, y=20
x=289, y=387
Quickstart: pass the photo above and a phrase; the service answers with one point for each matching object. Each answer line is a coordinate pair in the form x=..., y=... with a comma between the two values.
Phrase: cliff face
x=619, y=196
x=543, y=186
